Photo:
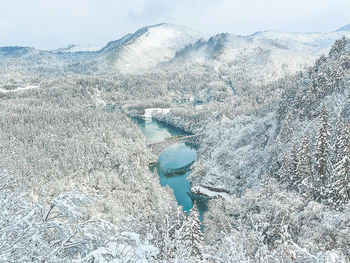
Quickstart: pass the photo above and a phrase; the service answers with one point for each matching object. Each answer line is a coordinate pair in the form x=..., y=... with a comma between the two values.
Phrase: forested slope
x=75, y=182
x=288, y=169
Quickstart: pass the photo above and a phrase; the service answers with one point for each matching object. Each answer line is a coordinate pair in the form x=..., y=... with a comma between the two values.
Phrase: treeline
x=318, y=167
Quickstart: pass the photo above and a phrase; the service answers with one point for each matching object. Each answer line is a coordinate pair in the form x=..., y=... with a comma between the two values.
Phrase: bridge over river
x=158, y=147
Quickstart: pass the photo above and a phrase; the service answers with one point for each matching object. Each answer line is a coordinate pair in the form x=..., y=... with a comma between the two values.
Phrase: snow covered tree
x=168, y=237
x=337, y=47
x=226, y=250
x=308, y=98
x=304, y=169
x=338, y=138
x=192, y=235
x=322, y=156
x=286, y=131
x=289, y=167
x=339, y=185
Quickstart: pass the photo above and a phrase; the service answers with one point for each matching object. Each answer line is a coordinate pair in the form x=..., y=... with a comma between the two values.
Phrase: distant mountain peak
x=344, y=28
x=15, y=51
x=70, y=48
x=151, y=45
x=149, y=30
x=166, y=25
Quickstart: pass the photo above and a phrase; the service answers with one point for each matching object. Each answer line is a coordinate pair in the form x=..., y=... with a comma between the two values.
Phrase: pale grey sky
x=55, y=23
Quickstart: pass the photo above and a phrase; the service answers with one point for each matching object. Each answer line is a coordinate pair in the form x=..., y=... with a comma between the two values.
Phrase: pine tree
x=283, y=174
x=286, y=131
x=304, y=166
x=192, y=234
x=337, y=153
x=308, y=99
x=322, y=157
x=291, y=167
x=319, y=62
x=339, y=186
x=337, y=47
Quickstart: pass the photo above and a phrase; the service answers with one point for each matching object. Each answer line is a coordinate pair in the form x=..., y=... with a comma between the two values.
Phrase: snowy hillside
x=257, y=59
x=262, y=57
x=273, y=149
x=25, y=60
x=247, y=138
x=148, y=47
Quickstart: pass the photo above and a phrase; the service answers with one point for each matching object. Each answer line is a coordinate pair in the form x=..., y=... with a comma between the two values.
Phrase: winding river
x=174, y=163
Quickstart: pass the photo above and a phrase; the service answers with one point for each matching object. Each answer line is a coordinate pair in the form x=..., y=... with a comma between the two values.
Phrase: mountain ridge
x=268, y=55
x=344, y=28
x=144, y=29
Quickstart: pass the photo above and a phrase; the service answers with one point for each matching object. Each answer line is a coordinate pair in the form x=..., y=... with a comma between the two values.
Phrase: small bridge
x=158, y=147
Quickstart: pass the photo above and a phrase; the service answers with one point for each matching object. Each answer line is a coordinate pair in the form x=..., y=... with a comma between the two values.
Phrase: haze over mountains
x=266, y=55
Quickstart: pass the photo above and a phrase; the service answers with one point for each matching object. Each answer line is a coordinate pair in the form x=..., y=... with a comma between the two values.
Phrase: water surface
x=174, y=163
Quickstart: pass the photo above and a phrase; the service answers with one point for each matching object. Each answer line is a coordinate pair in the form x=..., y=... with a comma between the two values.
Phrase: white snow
x=206, y=192
x=19, y=89
x=149, y=112
x=131, y=250
x=153, y=45
x=77, y=48
x=262, y=57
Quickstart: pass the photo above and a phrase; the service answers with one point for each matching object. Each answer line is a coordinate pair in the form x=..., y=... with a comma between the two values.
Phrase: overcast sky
x=56, y=23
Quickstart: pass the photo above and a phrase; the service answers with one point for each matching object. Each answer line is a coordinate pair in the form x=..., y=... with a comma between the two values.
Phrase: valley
x=266, y=179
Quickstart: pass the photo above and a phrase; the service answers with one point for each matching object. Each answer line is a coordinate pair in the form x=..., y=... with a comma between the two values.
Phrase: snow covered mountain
x=344, y=28
x=15, y=51
x=257, y=59
x=76, y=48
x=263, y=56
x=23, y=60
x=148, y=47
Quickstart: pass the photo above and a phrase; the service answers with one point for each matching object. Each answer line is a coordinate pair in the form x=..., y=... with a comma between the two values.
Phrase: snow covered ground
x=209, y=193
x=149, y=47
x=150, y=111
x=18, y=89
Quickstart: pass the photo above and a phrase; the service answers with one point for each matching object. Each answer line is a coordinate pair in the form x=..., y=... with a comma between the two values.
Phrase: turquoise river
x=174, y=163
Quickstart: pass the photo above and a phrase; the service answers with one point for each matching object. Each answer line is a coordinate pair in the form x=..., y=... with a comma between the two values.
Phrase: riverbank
x=178, y=120
x=172, y=167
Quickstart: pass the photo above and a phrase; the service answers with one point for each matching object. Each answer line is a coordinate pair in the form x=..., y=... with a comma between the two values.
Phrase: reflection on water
x=177, y=156
x=153, y=131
